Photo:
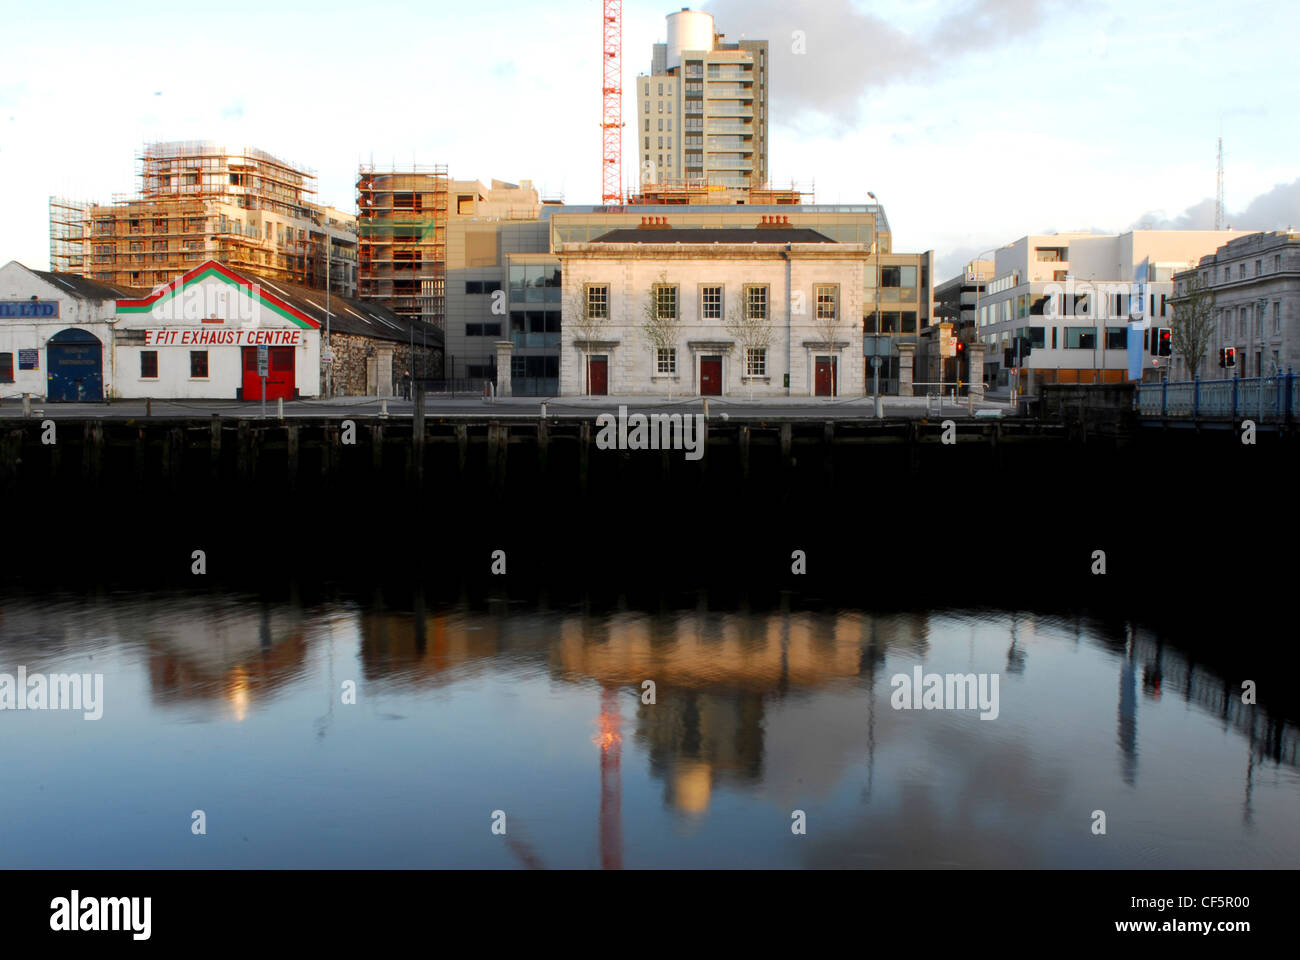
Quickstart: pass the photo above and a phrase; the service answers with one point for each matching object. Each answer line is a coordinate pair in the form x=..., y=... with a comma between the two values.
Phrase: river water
x=507, y=734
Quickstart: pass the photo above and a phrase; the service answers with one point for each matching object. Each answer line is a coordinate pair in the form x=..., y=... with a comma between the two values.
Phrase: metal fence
x=1262, y=398
x=462, y=386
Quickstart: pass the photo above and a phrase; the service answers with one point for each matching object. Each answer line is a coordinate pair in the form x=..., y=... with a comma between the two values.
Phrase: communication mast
x=611, y=124
x=1218, y=193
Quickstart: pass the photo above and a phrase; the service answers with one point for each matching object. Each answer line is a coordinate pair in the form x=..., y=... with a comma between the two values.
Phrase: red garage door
x=280, y=380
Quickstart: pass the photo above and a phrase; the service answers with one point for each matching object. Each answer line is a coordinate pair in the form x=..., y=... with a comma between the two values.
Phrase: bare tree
x=662, y=322
x=752, y=331
x=587, y=321
x=1192, y=328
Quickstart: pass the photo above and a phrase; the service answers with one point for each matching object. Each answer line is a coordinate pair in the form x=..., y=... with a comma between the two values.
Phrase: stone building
x=1256, y=284
x=772, y=311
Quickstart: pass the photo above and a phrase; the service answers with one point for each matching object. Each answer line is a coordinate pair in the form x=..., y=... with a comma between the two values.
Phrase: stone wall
x=350, y=354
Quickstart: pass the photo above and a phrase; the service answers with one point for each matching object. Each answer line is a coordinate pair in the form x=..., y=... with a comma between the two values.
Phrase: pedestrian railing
x=1261, y=398
x=463, y=386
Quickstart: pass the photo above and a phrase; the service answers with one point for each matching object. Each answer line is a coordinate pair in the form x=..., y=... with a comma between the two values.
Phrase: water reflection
x=540, y=713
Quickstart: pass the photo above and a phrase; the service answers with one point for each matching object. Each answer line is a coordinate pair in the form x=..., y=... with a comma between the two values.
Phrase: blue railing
x=1259, y=398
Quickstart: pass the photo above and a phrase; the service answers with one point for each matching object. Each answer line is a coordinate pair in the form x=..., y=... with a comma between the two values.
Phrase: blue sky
x=974, y=122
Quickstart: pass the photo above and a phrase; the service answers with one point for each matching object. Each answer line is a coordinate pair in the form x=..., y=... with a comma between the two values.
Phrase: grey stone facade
x=1256, y=285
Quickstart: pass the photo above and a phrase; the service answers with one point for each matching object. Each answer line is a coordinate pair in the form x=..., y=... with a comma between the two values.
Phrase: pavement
x=437, y=405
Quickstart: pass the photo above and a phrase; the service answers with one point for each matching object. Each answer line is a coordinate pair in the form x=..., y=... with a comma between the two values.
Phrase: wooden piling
x=291, y=455
x=214, y=447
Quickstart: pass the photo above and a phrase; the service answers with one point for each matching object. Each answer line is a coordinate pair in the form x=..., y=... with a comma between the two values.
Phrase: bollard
x=706, y=408
x=27, y=404
x=880, y=409
x=279, y=404
x=543, y=409
x=383, y=407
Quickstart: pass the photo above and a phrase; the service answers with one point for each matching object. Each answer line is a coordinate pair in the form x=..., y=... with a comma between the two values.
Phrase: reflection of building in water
x=697, y=739
x=763, y=652
x=236, y=653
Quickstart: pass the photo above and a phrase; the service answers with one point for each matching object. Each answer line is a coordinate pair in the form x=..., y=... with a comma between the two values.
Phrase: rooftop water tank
x=688, y=30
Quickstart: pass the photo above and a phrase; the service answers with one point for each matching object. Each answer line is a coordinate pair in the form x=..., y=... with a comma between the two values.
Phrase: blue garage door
x=74, y=363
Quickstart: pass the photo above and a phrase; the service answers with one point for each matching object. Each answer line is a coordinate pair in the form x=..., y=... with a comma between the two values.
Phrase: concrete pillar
x=383, y=369
x=975, y=351
x=504, y=350
x=906, y=356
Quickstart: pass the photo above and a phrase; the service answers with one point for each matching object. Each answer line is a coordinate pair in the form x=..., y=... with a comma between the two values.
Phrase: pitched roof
x=356, y=317
x=87, y=289
x=717, y=235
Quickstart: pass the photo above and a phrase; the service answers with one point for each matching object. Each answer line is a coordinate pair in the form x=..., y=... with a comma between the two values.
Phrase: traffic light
x=1164, y=345
x=1229, y=356
x=961, y=347
x=1026, y=347
x=1223, y=356
x=1008, y=357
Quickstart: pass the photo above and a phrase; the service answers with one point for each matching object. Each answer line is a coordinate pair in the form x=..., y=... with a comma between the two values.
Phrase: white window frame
x=755, y=363
x=590, y=289
x=666, y=362
x=721, y=301
x=750, y=301
x=660, y=288
x=833, y=289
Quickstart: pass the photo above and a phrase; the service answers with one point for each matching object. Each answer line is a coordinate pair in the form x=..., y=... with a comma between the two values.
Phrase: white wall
x=632, y=271
x=17, y=283
x=241, y=316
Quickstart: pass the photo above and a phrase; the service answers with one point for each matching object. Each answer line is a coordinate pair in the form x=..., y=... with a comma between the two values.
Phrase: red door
x=281, y=377
x=824, y=385
x=710, y=376
x=598, y=376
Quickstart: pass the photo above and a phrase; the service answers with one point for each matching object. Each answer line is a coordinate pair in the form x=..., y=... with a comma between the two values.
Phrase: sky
x=974, y=121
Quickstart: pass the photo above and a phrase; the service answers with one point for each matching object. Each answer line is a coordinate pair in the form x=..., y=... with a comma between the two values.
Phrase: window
x=711, y=303
x=1241, y=271
x=6, y=368
x=148, y=364
x=482, y=286
x=1277, y=317
x=598, y=301
x=756, y=302
x=665, y=301
x=661, y=127
x=826, y=295
x=1117, y=338
x=666, y=360
x=198, y=363
x=756, y=362
x=1259, y=267
x=1080, y=338
x=647, y=124
x=1277, y=262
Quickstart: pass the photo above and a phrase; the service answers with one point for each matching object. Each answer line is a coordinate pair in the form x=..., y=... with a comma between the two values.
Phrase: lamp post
x=875, y=251
x=979, y=290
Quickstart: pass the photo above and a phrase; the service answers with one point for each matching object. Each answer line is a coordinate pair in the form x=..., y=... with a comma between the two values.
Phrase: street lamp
x=979, y=290
x=875, y=249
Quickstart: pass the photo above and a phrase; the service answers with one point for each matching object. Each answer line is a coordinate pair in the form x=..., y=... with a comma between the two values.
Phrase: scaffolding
x=402, y=219
x=198, y=201
x=67, y=226
x=700, y=191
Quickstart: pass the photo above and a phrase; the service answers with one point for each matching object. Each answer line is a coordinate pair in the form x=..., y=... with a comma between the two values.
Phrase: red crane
x=611, y=123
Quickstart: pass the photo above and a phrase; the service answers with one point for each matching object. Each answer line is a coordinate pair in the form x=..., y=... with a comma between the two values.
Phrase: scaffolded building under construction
x=199, y=201
x=402, y=239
